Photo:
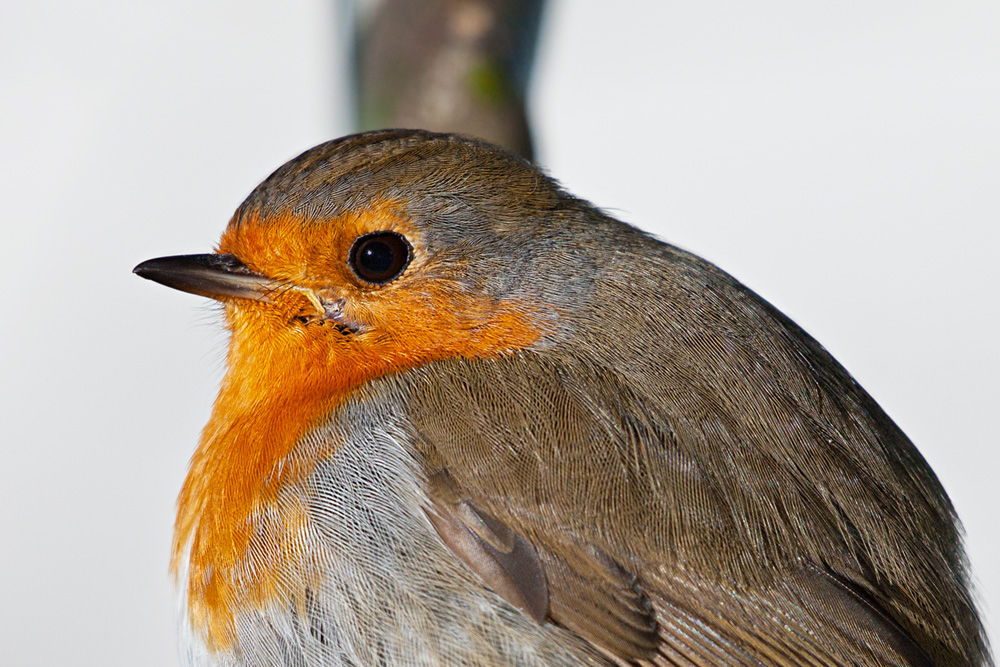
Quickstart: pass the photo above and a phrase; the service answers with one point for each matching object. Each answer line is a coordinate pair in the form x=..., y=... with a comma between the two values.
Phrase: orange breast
x=284, y=377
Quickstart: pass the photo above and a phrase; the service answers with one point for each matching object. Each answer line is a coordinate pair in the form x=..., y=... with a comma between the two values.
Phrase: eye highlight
x=380, y=257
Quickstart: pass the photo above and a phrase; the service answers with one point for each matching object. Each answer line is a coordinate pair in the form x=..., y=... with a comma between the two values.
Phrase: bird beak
x=215, y=276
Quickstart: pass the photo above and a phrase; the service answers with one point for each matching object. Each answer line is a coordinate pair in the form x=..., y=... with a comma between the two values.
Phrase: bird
x=468, y=418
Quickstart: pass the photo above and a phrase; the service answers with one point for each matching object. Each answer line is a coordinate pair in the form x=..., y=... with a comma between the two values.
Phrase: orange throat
x=232, y=547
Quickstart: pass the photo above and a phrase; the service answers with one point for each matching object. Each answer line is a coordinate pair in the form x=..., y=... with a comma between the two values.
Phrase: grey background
x=842, y=159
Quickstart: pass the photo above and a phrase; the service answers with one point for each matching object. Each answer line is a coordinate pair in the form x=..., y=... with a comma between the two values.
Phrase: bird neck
x=227, y=545
x=281, y=381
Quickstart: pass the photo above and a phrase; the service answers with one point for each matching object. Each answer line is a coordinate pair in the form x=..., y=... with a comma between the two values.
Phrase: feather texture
x=552, y=440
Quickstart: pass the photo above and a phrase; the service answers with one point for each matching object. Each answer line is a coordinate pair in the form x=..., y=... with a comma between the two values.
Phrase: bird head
x=384, y=251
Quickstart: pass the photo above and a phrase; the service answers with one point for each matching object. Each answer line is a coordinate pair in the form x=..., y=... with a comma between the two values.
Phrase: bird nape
x=469, y=419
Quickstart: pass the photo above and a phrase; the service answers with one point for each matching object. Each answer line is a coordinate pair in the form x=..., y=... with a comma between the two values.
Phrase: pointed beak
x=215, y=276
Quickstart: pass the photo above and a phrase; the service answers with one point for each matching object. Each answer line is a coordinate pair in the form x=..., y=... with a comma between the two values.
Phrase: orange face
x=314, y=333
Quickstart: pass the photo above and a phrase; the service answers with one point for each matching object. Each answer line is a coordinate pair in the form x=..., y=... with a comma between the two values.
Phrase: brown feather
x=617, y=438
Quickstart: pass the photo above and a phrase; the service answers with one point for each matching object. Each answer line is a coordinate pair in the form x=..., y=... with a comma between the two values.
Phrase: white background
x=841, y=158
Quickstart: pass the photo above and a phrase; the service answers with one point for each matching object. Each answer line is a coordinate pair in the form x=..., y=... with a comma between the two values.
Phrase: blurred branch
x=448, y=65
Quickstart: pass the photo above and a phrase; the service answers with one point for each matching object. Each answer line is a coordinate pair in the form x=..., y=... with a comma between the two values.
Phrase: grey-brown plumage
x=674, y=471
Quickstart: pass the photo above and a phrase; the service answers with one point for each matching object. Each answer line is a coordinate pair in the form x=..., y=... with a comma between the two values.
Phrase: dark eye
x=379, y=257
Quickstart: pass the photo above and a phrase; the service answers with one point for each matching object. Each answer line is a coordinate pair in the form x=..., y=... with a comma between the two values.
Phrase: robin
x=469, y=419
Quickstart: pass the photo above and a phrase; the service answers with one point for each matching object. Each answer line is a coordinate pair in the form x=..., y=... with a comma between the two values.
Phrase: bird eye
x=379, y=257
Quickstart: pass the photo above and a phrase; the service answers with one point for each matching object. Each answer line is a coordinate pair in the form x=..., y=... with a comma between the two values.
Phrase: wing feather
x=650, y=547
